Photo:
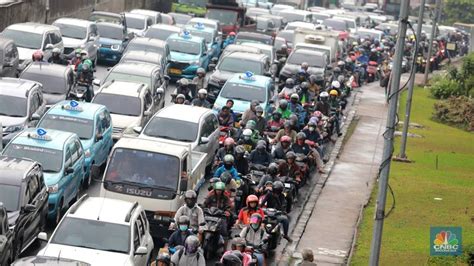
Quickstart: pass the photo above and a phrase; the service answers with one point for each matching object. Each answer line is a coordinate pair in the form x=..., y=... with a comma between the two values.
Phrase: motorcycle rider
x=217, y=198
x=260, y=156
x=250, y=114
x=304, y=93
x=252, y=125
x=289, y=89
x=275, y=123
x=291, y=169
x=271, y=176
x=57, y=58
x=296, y=108
x=199, y=80
x=323, y=104
x=373, y=56
x=241, y=163
x=178, y=237
x=37, y=56
x=191, y=210
x=238, y=246
x=228, y=148
x=228, y=166
x=201, y=100
x=277, y=200
x=335, y=106
x=86, y=76
x=182, y=87
x=246, y=140
x=284, y=146
x=287, y=130
x=255, y=235
x=76, y=60
x=302, y=74
x=229, y=40
x=190, y=255
x=181, y=99
x=230, y=185
x=246, y=212
x=226, y=119
x=260, y=121
x=283, y=109
x=300, y=146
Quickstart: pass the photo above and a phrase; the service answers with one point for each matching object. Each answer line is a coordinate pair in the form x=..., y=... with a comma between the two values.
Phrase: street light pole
x=388, y=137
x=411, y=85
x=432, y=37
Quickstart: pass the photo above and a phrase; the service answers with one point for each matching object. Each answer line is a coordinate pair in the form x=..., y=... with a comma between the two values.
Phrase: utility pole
x=388, y=137
x=411, y=85
x=432, y=37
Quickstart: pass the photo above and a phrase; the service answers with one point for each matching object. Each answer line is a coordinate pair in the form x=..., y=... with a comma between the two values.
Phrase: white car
x=79, y=33
x=137, y=23
x=101, y=231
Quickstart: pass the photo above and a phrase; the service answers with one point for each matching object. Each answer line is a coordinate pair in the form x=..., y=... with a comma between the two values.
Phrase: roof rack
x=74, y=208
x=129, y=214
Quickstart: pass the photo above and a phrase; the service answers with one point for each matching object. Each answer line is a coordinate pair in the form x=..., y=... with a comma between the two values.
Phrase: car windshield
x=72, y=31
x=243, y=92
x=255, y=39
x=110, y=32
x=24, y=39
x=93, y=234
x=182, y=46
x=128, y=77
x=151, y=170
x=238, y=65
x=339, y=25
x=181, y=19
x=51, y=160
x=203, y=34
x=160, y=34
x=10, y=197
x=313, y=60
x=174, y=129
x=51, y=84
x=82, y=127
x=135, y=23
x=13, y=106
x=225, y=17
x=135, y=46
x=114, y=103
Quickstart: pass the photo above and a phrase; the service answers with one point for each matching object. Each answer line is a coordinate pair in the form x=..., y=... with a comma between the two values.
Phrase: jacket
x=223, y=202
x=257, y=157
x=195, y=214
x=181, y=259
x=252, y=237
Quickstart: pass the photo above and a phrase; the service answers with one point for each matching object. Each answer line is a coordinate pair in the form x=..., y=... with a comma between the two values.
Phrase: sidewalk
x=331, y=227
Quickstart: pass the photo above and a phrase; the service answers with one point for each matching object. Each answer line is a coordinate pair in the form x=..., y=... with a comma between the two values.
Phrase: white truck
x=320, y=37
x=156, y=175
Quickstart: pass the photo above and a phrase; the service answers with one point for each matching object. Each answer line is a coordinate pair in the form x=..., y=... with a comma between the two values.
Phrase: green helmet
x=219, y=186
x=88, y=62
x=251, y=124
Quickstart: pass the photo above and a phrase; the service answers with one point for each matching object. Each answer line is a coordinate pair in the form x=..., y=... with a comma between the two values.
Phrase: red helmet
x=285, y=139
x=232, y=33
x=317, y=114
x=229, y=141
x=251, y=198
x=37, y=56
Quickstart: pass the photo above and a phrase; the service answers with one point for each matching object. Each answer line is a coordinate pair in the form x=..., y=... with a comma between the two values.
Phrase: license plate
x=175, y=71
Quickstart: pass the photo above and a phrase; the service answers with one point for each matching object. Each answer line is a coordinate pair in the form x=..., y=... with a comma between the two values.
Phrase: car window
x=80, y=151
x=215, y=123
x=107, y=119
x=9, y=55
x=136, y=236
x=99, y=127
x=47, y=40
x=207, y=127
x=68, y=158
x=74, y=154
x=55, y=38
x=93, y=30
x=34, y=103
x=144, y=219
x=141, y=227
x=27, y=198
x=33, y=188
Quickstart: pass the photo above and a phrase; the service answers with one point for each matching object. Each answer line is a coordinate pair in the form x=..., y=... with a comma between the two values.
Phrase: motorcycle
x=372, y=69
x=290, y=191
x=302, y=162
x=80, y=91
x=213, y=243
x=272, y=227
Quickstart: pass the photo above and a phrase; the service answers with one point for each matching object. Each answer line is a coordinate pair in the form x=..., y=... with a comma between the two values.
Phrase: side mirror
x=96, y=82
x=7, y=64
x=183, y=186
x=204, y=140
x=147, y=113
x=99, y=137
x=92, y=38
x=141, y=251
x=49, y=47
x=204, y=54
x=267, y=74
x=69, y=171
x=29, y=208
x=35, y=117
x=137, y=130
x=43, y=236
x=160, y=91
x=212, y=67
x=95, y=172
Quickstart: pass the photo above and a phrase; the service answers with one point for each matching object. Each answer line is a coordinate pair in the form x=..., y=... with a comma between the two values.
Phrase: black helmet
x=319, y=78
x=278, y=186
x=190, y=197
x=304, y=85
x=238, y=241
x=289, y=82
x=272, y=169
x=336, y=70
x=231, y=259
x=276, y=115
x=301, y=135
x=283, y=103
x=287, y=124
x=183, y=220
x=312, y=78
x=239, y=149
x=226, y=177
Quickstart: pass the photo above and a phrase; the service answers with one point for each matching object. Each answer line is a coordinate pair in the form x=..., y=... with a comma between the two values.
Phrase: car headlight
x=53, y=189
x=88, y=153
x=15, y=128
x=195, y=63
x=115, y=47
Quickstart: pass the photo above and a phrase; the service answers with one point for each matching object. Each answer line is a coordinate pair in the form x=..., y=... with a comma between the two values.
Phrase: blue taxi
x=210, y=35
x=243, y=88
x=92, y=124
x=187, y=53
x=62, y=158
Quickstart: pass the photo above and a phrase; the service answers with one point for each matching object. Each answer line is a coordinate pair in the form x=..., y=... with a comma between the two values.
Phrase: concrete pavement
x=332, y=225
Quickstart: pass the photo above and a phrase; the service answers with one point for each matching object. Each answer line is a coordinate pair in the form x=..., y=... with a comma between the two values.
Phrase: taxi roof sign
x=248, y=75
x=73, y=106
x=186, y=34
x=199, y=26
x=41, y=134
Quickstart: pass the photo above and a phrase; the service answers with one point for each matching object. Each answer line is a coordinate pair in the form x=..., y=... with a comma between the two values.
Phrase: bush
x=445, y=88
x=458, y=111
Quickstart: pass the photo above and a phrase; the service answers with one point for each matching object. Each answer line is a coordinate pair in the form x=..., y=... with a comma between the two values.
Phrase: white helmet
x=56, y=50
x=247, y=132
x=202, y=91
x=336, y=84
x=324, y=94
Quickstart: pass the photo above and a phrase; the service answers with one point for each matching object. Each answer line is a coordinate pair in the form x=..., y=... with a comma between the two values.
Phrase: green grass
x=405, y=239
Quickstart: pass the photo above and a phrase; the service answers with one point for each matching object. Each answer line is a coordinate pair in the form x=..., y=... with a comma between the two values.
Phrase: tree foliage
x=459, y=11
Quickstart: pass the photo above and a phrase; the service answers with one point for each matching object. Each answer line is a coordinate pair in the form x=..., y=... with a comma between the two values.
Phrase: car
x=112, y=42
x=340, y=25
x=192, y=125
x=167, y=19
x=92, y=124
x=364, y=33
x=137, y=24
x=62, y=157
x=318, y=17
x=154, y=15
x=57, y=80
x=24, y=195
x=140, y=72
x=104, y=16
x=277, y=8
x=317, y=63
x=48, y=261
x=295, y=15
x=180, y=19
x=6, y=238
x=79, y=33
x=266, y=49
x=152, y=45
x=287, y=35
x=236, y=62
x=21, y=106
x=144, y=57
x=244, y=36
x=243, y=88
x=299, y=24
x=213, y=40
x=207, y=22
x=9, y=58
x=317, y=47
x=30, y=37
x=253, y=12
x=161, y=31
x=237, y=48
x=351, y=22
x=188, y=53
x=139, y=109
x=102, y=231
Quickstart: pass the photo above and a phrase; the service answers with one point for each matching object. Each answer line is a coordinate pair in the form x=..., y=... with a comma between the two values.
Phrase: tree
x=459, y=11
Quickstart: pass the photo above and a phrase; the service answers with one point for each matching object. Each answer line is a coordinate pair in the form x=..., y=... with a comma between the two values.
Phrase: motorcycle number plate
x=287, y=185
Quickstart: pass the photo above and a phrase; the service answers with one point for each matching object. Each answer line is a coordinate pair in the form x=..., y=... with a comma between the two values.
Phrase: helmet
x=251, y=198
x=340, y=63
x=56, y=50
x=336, y=84
x=324, y=94
x=164, y=257
x=200, y=71
x=84, y=54
x=261, y=144
x=336, y=70
x=287, y=124
x=231, y=259
x=238, y=241
x=190, y=194
x=272, y=168
x=229, y=141
x=304, y=65
x=229, y=158
x=226, y=177
x=304, y=85
x=232, y=33
x=258, y=109
x=276, y=114
x=183, y=82
x=290, y=155
x=251, y=124
x=348, y=60
x=183, y=220
x=256, y=218
x=239, y=149
x=202, y=91
x=313, y=78
x=180, y=96
x=78, y=51
x=278, y=186
x=295, y=96
x=283, y=103
x=289, y=82
x=311, y=123
x=219, y=185
x=333, y=93
x=191, y=244
x=301, y=135
x=319, y=78
x=340, y=78
x=247, y=132
x=37, y=55
x=285, y=139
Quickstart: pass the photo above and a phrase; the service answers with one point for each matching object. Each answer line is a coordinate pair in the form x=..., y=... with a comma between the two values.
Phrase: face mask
x=183, y=228
x=254, y=226
x=311, y=129
x=228, y=166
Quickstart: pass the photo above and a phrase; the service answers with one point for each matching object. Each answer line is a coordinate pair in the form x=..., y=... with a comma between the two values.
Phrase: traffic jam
x=148, y=138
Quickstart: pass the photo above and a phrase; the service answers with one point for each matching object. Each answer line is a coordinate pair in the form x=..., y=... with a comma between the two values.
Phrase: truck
x=192, y=7
x=156, y=175
x=320, y=37
x=228, y=13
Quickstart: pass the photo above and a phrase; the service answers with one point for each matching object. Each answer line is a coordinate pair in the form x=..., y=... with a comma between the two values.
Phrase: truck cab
x=156, y=175
x=228, y=13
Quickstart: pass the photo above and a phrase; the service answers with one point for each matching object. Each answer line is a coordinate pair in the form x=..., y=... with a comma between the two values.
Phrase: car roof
x=125, y=88
x=102, y=209
x=247, y=56
x=110, y=24
x=74, y=21
x=183, y=112
x=258, y=45
x=166, y=27
x=148, y=41
x=258, y=80
x=203, y=20
x=135, y=68
x=147, y=12
x=32, y=27
x=205, y=29
x=11, y=168
x=87, y=110
x=135, y=15
x=192, y=38
x=16, y=87
x=58, y=139
x=241, y=48
x=142, y=56
x=46, y=69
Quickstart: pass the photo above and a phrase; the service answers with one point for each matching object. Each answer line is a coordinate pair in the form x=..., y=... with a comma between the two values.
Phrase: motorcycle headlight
x=53, y=189
x=12, y=129
x=115, y=47
x=88, y=153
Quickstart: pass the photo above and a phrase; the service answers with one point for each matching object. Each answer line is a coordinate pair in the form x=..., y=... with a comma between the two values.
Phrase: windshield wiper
x=239, y=98
x=114, y=250
x=49, y=171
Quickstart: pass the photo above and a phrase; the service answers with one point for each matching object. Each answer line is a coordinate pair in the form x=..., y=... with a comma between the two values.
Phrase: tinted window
x=110, y=31
x=72, y=31
x=136, y=236
x=50, y=159
x=51, y=84
x=181, y=46
x=243, y=92
x=238, y=65
x=114, y=104
x=135, y=23
x=173, y=129
x=33, y=188
x=24, y=39
x=82, y=127
x=135, y=46
x=10, y=197
x=313, y=60
x=55, y=38
x=9, y=54
x=13, y=106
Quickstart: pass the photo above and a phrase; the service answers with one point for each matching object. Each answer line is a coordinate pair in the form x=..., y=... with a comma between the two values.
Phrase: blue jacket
x=232, y=171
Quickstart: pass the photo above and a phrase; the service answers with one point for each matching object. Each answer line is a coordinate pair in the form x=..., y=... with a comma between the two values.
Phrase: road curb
x=289, y=251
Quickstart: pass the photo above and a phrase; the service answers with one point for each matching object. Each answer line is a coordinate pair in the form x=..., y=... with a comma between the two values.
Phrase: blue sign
x=41, y=132
x=445, y=241
x=248, y=74
x=74, y=104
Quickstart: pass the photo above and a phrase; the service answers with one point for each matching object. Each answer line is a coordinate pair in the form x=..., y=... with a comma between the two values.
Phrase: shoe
x=287, y=238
